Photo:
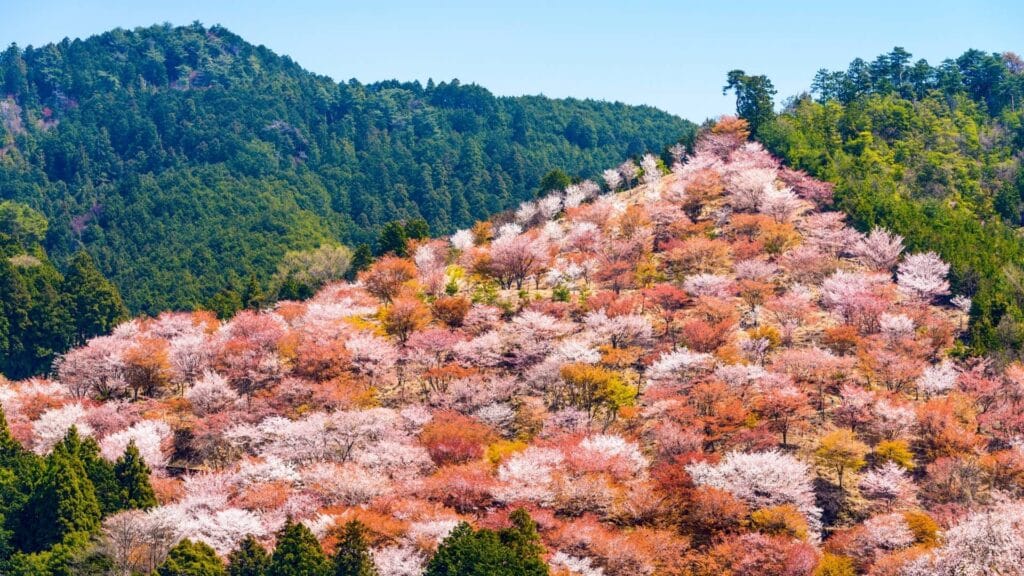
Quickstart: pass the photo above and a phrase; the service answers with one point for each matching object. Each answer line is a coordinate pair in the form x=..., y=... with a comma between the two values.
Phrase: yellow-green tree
x=840, y=450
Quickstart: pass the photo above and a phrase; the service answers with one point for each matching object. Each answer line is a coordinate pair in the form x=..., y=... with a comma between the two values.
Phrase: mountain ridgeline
x=186, y=161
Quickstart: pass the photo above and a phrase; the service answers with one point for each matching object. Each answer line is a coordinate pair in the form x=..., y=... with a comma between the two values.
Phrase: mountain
x=709, y=373
x=932, y=152
x=185, y=160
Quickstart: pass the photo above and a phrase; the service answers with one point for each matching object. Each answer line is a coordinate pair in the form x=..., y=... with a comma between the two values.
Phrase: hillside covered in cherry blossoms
x=696, y=369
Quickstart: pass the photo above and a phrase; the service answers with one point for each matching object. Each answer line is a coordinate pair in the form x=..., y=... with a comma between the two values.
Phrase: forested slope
x=931, y=152
x=185, y=159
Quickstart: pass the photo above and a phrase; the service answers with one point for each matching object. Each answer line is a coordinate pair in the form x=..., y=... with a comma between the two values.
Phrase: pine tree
x=94, y=301
x=191, y=559
x=252, y=294
x=417, y=229
x=362, y=257
x=249, y=559
x=513, y=551
x=298, y=553
x=63, y=503
x=522, y=536
x=393, y=239
x=9, y=446
x=99, y=471
x=352, y=557
x=15, y=302
x=132, y=477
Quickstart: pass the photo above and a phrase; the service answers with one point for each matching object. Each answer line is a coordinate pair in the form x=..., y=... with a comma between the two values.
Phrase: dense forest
x=931, y=152
x=43, y=312
x=185, y=160
x=708, y=373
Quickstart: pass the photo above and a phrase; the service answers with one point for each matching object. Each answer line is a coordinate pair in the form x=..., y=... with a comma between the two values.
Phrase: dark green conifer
x=249, y=559
x=352, y=557
x=132, y=477
x=189, y=558
x=298, y=553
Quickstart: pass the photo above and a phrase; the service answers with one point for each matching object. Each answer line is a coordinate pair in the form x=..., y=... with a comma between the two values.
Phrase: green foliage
x=352, y=557
x=933, y=154
x=94, y=303
x=393, y=239
x=362, y=257
x=99, y=472
x=417, y=229
x=754, y=98
x=512, y=551
x=132, y=476
x=50, y=508
x=43, y=313
x=22, y=224
x=189, y=558
x=63, y=503
x=297, y=553
x=552, y=181
x=249, y=559
x=177, y=156
x=227, y=302
x=304, y=272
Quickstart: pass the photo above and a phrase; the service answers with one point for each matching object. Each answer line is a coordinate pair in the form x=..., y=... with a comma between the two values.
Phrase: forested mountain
x=931, y=152
x=185, y=160
x=708, y=374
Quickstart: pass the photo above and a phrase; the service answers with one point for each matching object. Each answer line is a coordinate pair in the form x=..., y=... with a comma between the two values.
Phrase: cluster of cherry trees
x=698, y=370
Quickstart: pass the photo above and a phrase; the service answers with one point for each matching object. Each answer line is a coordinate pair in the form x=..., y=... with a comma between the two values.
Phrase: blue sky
x=673, y=55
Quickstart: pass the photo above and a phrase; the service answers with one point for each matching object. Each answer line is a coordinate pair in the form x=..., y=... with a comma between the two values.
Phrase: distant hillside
x=185, y=159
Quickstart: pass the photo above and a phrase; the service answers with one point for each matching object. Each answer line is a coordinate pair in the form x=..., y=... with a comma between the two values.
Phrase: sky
x=672, y=55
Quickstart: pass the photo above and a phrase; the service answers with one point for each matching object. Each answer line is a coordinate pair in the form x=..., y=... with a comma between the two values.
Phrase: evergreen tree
x=754, y=98
x=512, y=551
x=249, y=559
x=189, y=558
x=64, y=502
x=132, y=476
x=224, y=303
x=10, y=448
x=393, y=239
x=352, y=557
x=20, y=471
x=252, y=294
x=522, y=536
x=298, y=553
x=97, y=469
x=362, y=257
x=417, y=229
x=552, y=181
x=292, y=289
x=95, y=303
x=15, y=303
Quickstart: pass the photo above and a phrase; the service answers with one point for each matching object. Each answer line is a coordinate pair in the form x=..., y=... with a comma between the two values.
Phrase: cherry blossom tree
x=150, y=437
x=923, y=276
x=880, y=249
x=96, y=369
x=762, y=479
x=514, y=258
x=986, y=542
x=612, y=179
x=387, y=276
x=629, y=171
x=889, y=485
x=54, y=424
x=210, y=394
